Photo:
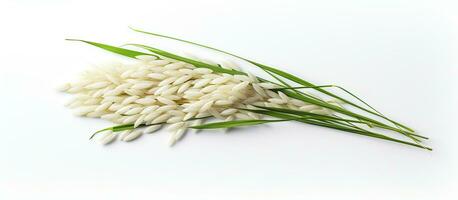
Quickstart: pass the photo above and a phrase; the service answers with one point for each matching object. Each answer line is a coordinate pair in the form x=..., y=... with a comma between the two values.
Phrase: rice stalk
x=166, y=88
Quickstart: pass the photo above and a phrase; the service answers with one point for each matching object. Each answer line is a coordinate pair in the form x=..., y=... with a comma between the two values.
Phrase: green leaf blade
x=117, y=50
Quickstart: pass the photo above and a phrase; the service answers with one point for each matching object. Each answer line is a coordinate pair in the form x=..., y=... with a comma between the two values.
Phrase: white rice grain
x=132, y=135
x=107, y=138
x=152, y=129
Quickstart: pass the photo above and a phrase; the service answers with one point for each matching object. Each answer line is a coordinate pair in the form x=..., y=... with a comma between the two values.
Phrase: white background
x=401, y=56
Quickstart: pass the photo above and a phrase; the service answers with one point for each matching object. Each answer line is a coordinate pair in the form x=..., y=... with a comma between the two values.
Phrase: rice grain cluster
x=151, y=92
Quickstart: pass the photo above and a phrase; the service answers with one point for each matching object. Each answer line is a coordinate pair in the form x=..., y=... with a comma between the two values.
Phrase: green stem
x=342, y=127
